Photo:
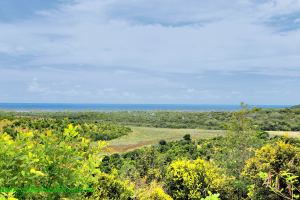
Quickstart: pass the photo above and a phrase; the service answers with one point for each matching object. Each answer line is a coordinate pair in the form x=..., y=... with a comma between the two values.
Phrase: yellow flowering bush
x=274, y=171
x=7, y=196
x=109, y=187
x=48, y=165
x=194, y=179
x=153, y=192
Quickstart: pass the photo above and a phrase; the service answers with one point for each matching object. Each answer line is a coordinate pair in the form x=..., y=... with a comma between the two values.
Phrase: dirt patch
x=128, y=147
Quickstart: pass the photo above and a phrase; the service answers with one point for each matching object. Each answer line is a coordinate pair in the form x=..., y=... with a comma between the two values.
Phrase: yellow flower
x=30, y=155
x=10, y=196
x=49, y=133
x=36, y=172
x=85, y=141
x=28, y=134
x=286, y=135
x=68, y=147
x=6, y=138
x=29, y=145
x=102, y=144
x=71, y=131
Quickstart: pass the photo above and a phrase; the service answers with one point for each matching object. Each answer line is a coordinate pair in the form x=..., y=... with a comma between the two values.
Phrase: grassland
x=294, y=134
x=143, y=136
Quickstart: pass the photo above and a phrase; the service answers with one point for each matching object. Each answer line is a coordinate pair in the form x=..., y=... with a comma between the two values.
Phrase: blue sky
x=150, y=51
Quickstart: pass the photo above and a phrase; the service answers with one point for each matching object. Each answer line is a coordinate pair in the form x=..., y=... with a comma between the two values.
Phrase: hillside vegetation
x=47, y=156
x=287, y=119
x=296, y=107
x=145, y=136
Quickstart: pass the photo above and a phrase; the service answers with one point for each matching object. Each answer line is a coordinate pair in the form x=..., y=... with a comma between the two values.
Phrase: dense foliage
x=110, y=187
x=195, y=179
x=56, y=158
x=287, y=119
x=275, y=171
x=95, y=131
x=63, y=162
x=191, y=169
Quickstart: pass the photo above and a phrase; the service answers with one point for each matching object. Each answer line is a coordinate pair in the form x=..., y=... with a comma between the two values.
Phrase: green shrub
x=48, y=165
x=187, y=137
x=195, y=179
x=274, y=171
x=109, y=187
x=153, y=192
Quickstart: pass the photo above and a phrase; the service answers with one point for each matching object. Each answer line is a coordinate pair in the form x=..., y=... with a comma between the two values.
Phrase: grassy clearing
x=288, y=133
x=142, y=136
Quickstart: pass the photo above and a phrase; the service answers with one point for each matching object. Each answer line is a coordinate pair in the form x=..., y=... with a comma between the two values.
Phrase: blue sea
x=123, y=107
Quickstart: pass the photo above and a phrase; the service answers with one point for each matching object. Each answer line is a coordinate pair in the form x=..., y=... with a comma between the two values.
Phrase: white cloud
x=124, y=48
x=96, y=33
x=35, y=86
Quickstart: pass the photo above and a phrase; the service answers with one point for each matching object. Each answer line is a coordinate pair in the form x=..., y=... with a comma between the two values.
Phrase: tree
x=187, y=137
x=241, y=140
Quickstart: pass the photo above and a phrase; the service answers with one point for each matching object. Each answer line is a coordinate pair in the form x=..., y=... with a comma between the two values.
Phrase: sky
x=150, y=51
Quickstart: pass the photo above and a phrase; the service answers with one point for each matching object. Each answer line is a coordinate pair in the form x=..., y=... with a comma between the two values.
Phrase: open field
x=295, y=134
x=143, y=136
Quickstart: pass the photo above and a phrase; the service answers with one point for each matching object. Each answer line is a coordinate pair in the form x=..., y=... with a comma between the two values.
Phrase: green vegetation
x=32, y=163
x=296, y=107
x=49, y=156
x=274, y=171
x=143, y=136
x=95, y=131
x=184, y=167
x=287, y=119
x=195, y=179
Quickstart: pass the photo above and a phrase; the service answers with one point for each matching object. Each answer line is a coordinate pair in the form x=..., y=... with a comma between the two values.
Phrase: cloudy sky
x=150, y=51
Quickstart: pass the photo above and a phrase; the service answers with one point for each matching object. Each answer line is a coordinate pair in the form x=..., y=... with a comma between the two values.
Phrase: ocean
x=123, y=107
